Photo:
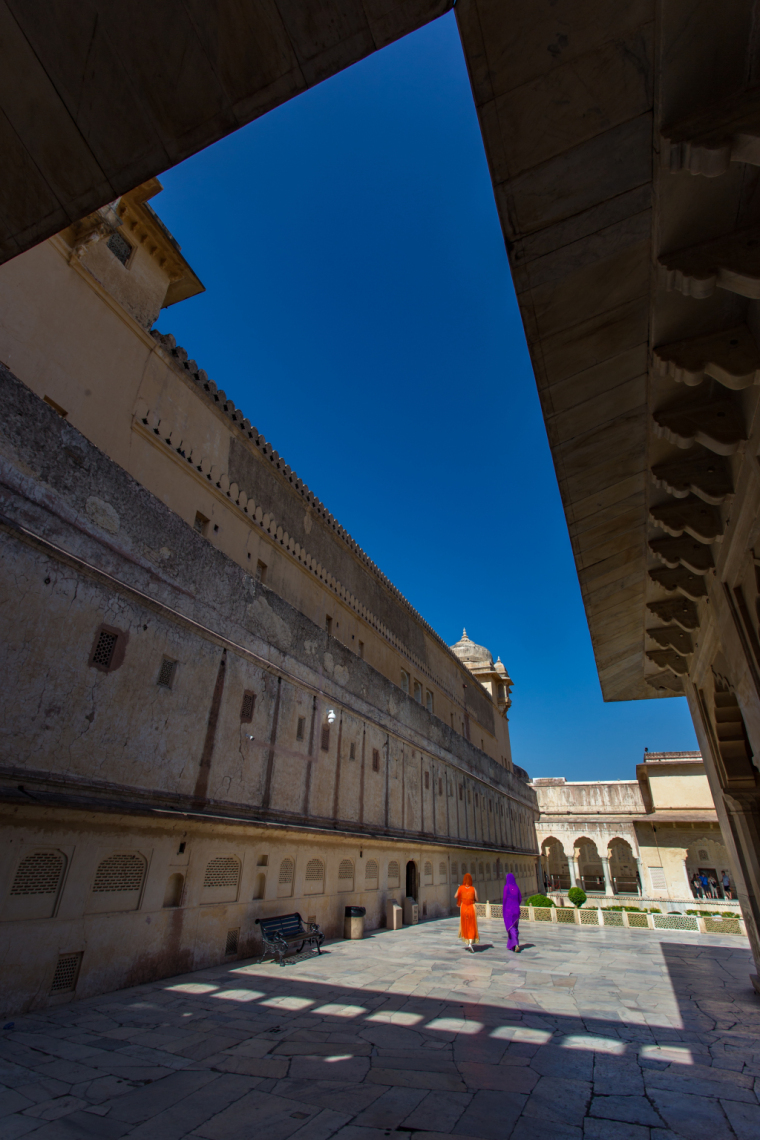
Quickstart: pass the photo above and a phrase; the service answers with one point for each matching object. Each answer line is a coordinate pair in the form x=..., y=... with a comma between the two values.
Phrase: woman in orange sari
x=466, y=898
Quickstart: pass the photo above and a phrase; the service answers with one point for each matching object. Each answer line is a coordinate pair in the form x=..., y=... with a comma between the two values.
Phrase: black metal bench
x=284, y=931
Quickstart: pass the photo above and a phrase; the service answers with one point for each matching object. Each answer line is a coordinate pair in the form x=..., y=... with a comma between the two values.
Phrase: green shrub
x=655, y=910
x=576, y=896
x=539, y=900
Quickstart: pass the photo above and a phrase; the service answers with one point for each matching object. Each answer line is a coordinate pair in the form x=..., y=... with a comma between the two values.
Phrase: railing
x=634, y=920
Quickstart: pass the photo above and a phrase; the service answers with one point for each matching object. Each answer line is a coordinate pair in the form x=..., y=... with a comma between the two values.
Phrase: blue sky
x=360, y=309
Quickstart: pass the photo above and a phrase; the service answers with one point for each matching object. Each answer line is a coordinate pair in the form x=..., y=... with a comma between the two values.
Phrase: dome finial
x=464, y=634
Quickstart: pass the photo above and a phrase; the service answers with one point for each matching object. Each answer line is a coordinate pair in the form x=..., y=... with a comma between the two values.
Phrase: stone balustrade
x=636, y=920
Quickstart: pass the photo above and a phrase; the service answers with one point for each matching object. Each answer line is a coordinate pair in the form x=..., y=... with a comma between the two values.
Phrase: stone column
x=640, y=869
x=572, y=866
x=606, y=872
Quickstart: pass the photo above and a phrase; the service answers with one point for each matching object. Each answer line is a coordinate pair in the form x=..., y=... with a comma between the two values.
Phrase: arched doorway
x=554, y=865
x=623, y=868
x=590, y=873
x=411, y=880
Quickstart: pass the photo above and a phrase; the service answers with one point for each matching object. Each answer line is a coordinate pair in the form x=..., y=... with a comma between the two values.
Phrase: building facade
x=215, y=706
x=647, y=836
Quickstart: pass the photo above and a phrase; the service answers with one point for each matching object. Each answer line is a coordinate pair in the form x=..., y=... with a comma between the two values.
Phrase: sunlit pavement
x=611, y=1034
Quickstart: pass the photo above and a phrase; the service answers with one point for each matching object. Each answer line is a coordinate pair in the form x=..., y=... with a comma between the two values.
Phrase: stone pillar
x=606, y=872
x=640, y=869
x=571, y=869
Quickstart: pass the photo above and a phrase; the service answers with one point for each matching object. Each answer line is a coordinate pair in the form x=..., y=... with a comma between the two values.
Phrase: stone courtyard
x=608, y=1034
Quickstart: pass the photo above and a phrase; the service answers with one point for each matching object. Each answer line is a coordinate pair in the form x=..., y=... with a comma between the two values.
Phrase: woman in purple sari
x=511, y=913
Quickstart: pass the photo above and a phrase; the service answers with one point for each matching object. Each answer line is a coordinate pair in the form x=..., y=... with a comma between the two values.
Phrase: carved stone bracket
x=707, y=143
x=671, y=637
x=701, y=472
x=679, y=610
x=665, y=682
x=669, y=659
x=730, y=263
x=691, y=516
x=691, y=585
x=731, y=357
x=685, y=551
x=717, y=424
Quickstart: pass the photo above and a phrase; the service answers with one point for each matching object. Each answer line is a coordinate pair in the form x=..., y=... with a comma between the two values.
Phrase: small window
x=247, y=707
x=442, y=872
x=231, y=942
x=121, y=872
x=285, y=879
x=223, y=871
x=166, y=673
x=66, y=973
x=429, y=701
x=173, y=892
x=262, y=861
x=328, y=625
x=418, y=692
x=461, y=792
x=181, y=849
x=325, y=738
x=119, y=247
x=375, y=760
x=39, y=874
x=352, y=751
x=427, y=780
x=103, y=655
x=393, y=873
x=346, y=875
x=314, y=880
x=261, y=571
x=260, y=889
x=300, y=727
x=405, y=680
x=201, y=522
x=361, y=649
x=490, y=806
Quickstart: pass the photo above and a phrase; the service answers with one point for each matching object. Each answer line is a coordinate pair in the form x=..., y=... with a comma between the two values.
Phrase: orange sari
x=468, y=923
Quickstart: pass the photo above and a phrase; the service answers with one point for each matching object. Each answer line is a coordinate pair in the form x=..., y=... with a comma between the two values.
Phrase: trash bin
x=353, y=924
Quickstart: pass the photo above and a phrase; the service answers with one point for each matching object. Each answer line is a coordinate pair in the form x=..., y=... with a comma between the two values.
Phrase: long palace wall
x=151, y=688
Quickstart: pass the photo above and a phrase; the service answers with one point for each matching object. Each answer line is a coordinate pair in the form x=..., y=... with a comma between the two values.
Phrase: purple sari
x=511, y=911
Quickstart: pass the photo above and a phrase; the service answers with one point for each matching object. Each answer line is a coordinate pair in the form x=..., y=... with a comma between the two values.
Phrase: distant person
x=466, y=897
x=511, y=912
x=696, y=885
x=713, y=887
x=726, y=881
x=705, y=884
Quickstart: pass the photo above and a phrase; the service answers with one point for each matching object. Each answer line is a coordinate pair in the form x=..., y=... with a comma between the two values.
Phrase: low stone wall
x=633, y=920
x=666, y=905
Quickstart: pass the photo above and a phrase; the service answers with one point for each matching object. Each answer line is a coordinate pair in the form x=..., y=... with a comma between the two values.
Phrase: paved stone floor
x=606, y=1034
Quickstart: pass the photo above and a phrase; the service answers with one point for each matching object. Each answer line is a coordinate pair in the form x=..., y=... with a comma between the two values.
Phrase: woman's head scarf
x=467, y=880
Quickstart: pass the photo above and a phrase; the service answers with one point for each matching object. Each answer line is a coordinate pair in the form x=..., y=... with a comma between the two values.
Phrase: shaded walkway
x=608, y=1034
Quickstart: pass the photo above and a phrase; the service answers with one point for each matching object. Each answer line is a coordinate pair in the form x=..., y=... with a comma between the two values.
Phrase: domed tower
x=494, y=678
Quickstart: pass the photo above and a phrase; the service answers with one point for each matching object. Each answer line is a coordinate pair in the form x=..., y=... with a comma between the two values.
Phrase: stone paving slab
x=580, y=1037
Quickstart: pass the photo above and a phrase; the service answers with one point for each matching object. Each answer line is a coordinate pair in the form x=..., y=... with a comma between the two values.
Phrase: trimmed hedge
x=538, y=900
x=576, y=896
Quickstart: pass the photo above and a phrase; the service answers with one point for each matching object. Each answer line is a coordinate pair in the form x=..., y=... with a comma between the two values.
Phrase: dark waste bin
x=353, y=924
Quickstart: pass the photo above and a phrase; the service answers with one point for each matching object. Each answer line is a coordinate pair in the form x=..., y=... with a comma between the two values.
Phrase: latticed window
x=166, y=673
x=231, y=943
x=315, y=871
x=393, y=873
x=454, y=872
x=247, y=707
x=223, y=871
x=286, y=872
x=300, y=727
x=375, y=760
x=346, y=871
x=325, y=738
x=371, y=873
x=38, y=874
x=473, y=870
x=442, y=871
x=428, y=871
x=427, y=780
x=480, y=870
x=66, y=973
x=122, y=872
x=119, y=247
x=488, y=870
x=498, y=868
x=103, y=652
